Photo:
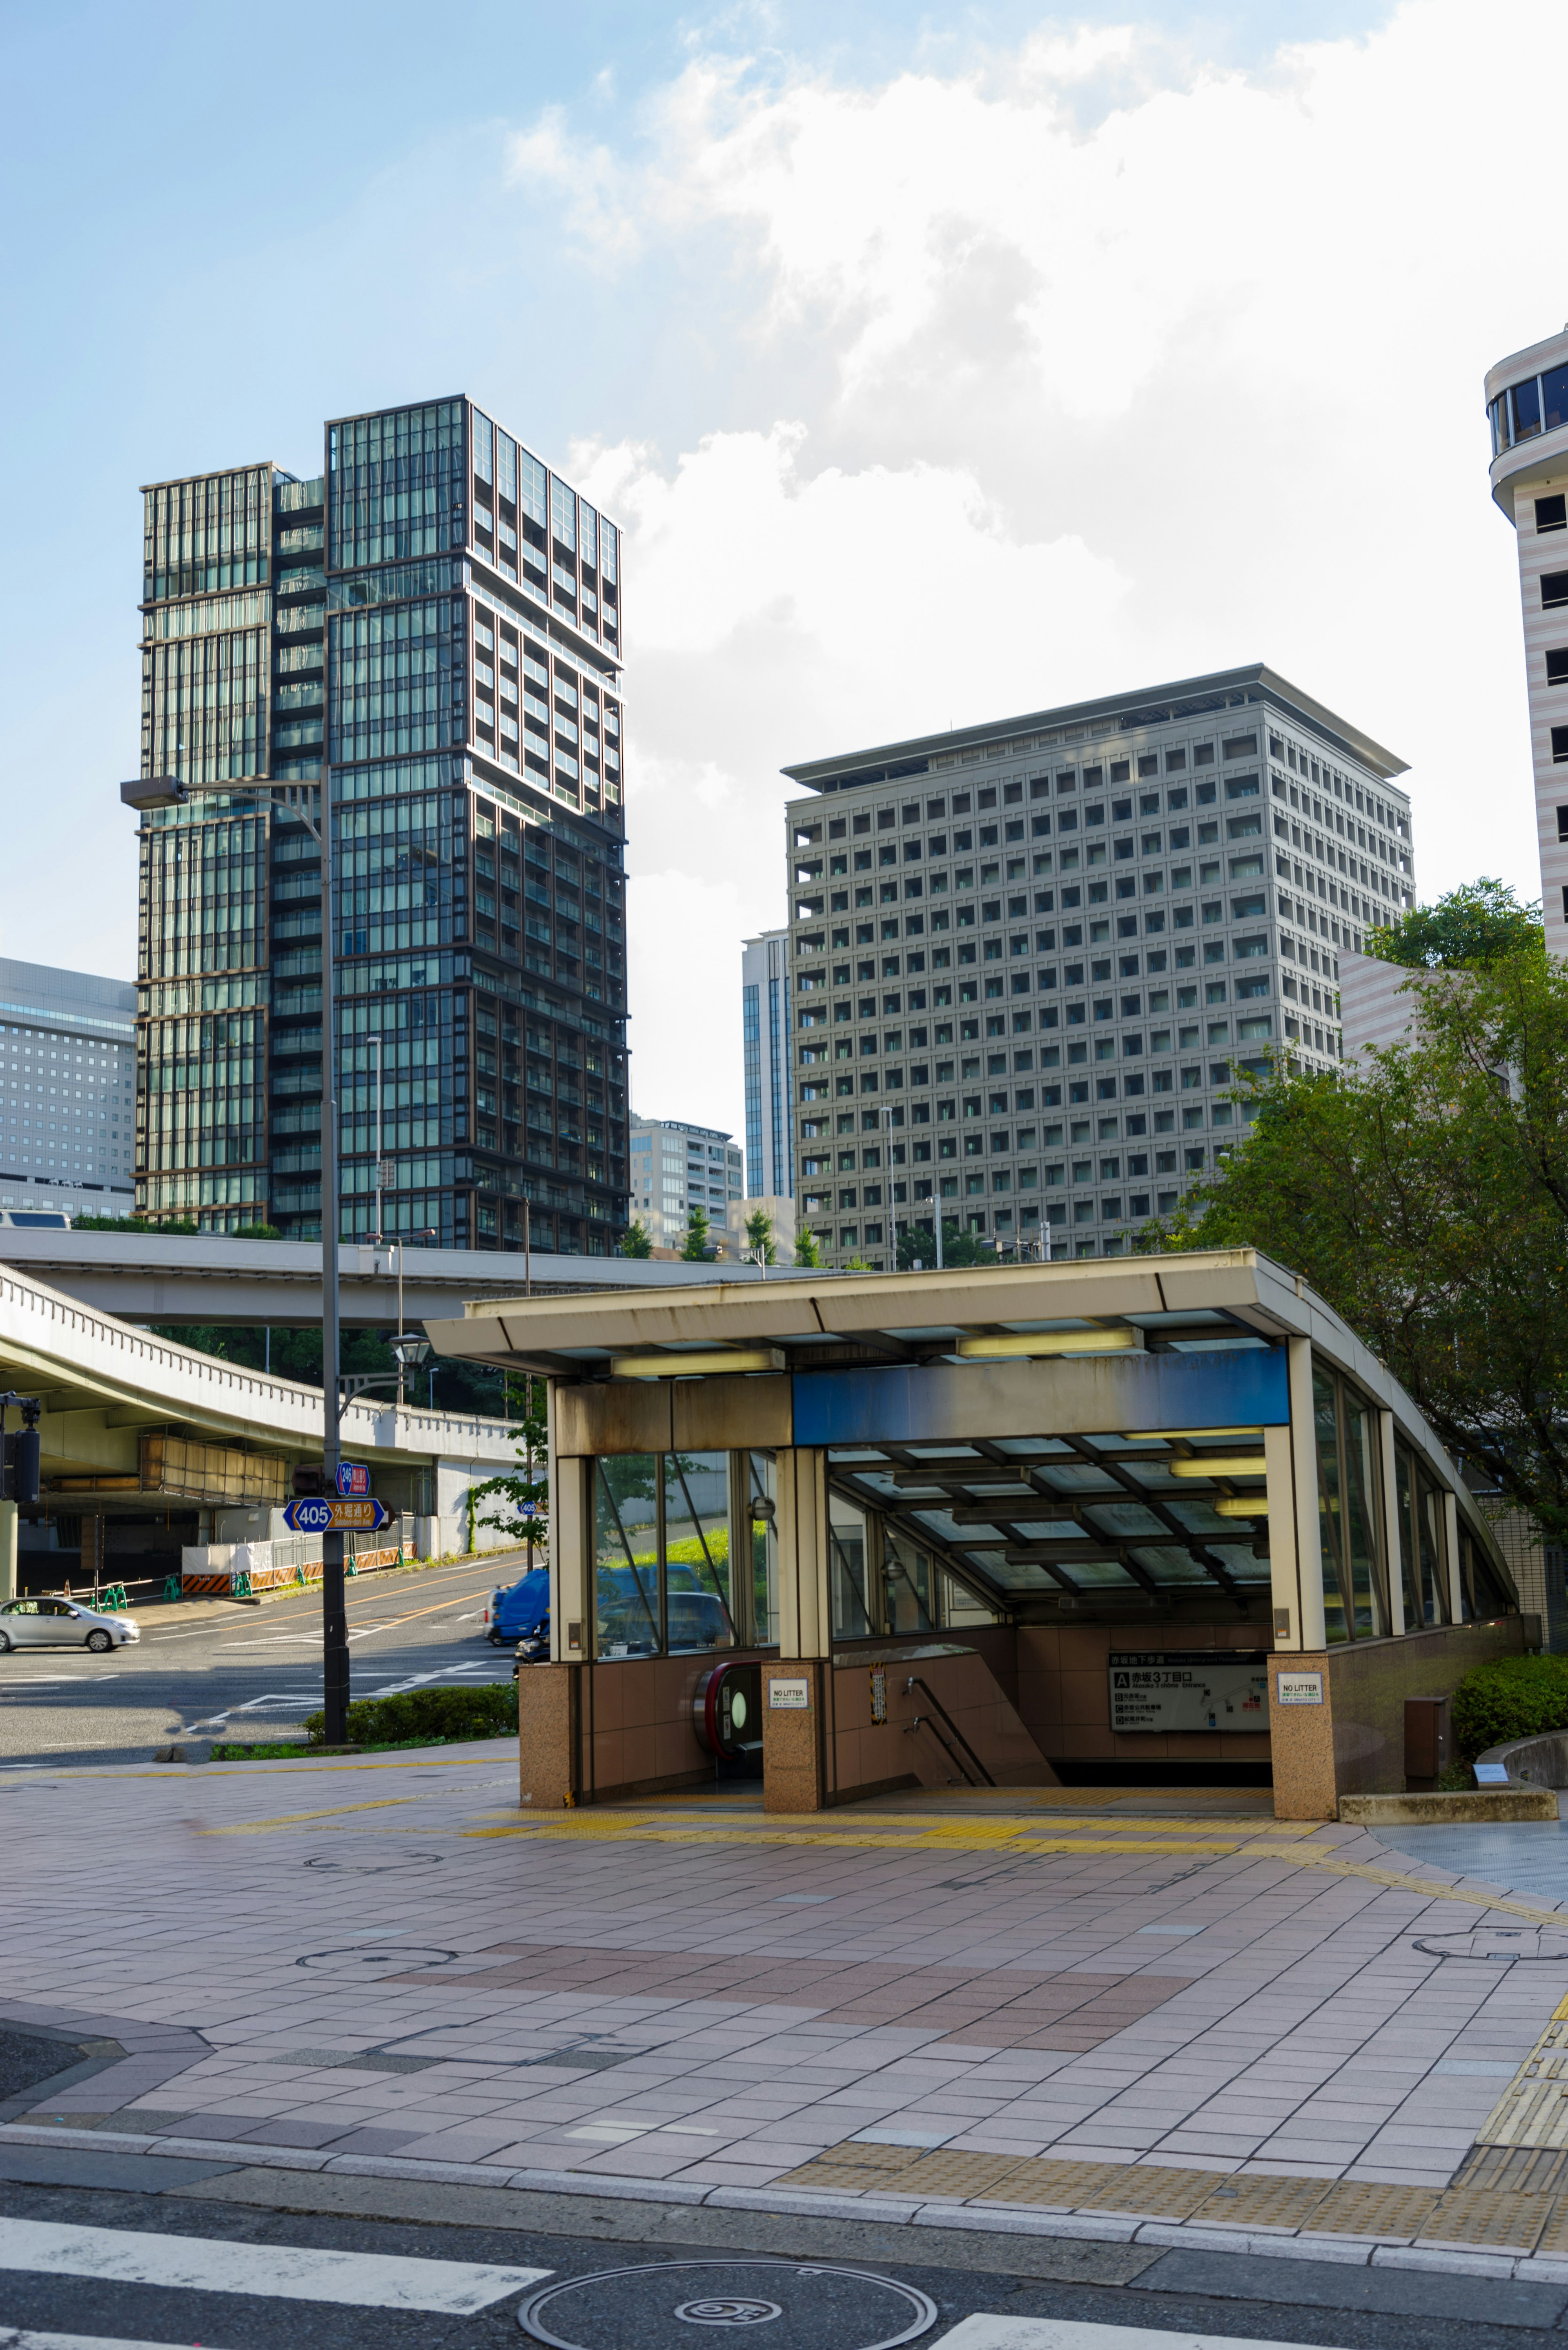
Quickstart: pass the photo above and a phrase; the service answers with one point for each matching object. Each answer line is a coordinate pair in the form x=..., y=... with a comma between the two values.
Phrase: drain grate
x=670, y=2305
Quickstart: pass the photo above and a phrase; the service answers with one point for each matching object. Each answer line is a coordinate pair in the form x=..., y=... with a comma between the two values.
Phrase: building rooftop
x=1121, y=713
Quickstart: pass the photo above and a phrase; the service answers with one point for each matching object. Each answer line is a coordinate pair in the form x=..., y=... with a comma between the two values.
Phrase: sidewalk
x=1015, y=2005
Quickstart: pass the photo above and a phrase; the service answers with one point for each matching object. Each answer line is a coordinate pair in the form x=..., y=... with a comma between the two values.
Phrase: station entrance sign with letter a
x=1188, y=1688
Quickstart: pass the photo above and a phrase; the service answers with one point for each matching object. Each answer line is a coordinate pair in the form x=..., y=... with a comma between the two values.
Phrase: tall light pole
x=168, y=791
x=334, y=1600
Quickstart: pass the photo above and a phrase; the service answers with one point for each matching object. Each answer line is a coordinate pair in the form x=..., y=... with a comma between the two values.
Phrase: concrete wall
x=1377, y=1002
x=1353, y=1743
x=915, y=1742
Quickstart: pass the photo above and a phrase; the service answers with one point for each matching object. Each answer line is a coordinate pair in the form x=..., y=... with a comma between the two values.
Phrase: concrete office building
x=439, y=615
x=1527, y=405
x=765, y=1038
x=68, y=1090
x=1029, y=957
x=676, y=1168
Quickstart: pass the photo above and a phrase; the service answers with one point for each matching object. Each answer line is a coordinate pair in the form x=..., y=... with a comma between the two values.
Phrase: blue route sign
x=329, y=1517
x=353, y=1480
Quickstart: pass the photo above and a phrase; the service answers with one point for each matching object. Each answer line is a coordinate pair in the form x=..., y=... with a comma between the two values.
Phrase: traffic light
x=22, y=1466
x=311, y=1482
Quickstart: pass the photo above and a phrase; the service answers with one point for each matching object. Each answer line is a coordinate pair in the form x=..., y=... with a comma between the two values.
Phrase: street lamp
x=410, y=1349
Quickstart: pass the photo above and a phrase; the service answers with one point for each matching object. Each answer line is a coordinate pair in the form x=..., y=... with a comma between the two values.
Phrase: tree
x=760, y=1235
x=806, y=1251
x=695, y=1250
x=634, y=1241
x=958, y=1247
x=1479, y=924
x=1425, y=1195
x=524, y=1495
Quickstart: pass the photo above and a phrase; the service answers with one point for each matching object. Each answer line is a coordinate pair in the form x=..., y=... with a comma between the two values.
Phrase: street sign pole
x=334, y=1602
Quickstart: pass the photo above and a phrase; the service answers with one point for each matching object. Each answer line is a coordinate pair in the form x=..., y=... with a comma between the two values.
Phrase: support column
x=1309, y=1531
x=1456, y=1581
x=550, y=1696
x=92, y=1555
x=7, y=1550
x=1284, y=1575
x=1392, y=1546
x=797, y=1691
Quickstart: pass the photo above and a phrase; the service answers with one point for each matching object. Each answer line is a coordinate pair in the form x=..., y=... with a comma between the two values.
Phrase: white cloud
x=1104, y=367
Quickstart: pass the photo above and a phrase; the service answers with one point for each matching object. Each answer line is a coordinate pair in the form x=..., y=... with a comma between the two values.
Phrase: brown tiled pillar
x=794, y=1734
x=549, y=1737
x=797, y=1691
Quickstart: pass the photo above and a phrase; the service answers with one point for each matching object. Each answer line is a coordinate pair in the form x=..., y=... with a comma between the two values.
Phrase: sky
x=940, y=367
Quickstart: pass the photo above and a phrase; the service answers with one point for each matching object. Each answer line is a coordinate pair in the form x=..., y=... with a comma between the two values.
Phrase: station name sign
x=1190, y=1689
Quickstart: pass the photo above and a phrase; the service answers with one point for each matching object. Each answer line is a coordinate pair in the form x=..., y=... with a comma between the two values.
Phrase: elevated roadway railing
x=149, y=1277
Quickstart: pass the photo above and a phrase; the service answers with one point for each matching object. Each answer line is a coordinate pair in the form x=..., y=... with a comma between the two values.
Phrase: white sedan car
x=60, y=1623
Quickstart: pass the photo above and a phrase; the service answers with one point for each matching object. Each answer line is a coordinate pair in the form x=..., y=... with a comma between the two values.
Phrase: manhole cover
x=358, y=1964
x=375, y=1864
x=1502, y=1946
x=671, y=2305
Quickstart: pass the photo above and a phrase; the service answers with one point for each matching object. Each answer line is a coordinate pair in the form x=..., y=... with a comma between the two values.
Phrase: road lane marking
x=26, y=2338
x=985, y=2330
x=275, y=2271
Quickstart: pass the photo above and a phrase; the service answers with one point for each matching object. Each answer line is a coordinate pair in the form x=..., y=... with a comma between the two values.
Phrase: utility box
x=1429, y=1741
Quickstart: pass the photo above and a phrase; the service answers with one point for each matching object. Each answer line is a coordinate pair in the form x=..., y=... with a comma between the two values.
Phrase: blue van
x=521, y=1613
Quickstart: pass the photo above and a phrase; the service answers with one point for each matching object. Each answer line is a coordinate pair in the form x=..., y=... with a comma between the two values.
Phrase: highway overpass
x=149, y=1434
x=152, y=1276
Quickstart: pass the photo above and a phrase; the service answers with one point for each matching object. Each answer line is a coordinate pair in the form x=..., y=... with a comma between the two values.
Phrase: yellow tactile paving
x=1146, y=2190
x=1366, y=2207
x=1260, y=2201
x=1477, y=2216
x=301, y=1819
x=1505, y=2220
x=586, y=1829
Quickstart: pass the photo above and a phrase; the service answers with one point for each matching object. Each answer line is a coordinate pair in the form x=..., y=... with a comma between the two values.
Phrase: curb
x=786, y=2202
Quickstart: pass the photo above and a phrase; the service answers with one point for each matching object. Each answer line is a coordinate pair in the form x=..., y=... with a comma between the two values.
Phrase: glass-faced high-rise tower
x=438, y=615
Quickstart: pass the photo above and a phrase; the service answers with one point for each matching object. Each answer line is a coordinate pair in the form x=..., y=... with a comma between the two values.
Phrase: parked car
x=62, y=1623
x=520, y=1612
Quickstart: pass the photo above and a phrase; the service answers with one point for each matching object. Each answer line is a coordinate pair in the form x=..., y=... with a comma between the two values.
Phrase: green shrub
x=1517, y=1697
x=433, y=1714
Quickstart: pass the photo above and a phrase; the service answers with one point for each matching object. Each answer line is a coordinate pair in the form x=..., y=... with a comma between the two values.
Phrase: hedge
x=435, y=1714
x=1517, y=1697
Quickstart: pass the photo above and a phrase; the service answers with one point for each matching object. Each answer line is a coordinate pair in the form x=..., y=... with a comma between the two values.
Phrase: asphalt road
x=249, y=1672
x=199, y=2263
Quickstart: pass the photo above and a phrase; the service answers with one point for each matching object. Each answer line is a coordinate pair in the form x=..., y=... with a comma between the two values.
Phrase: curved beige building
x=1527, y=403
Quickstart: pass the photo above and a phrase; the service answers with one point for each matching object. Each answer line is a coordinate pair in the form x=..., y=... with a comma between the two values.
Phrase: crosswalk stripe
x=985, y=2331
x=277, y=2271
x=24, y=2338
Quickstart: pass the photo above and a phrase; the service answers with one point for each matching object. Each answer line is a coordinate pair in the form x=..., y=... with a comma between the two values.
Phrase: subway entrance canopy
x=1151, y=1520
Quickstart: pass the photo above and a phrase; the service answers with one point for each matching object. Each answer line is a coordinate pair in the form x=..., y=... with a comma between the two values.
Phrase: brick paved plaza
x=383, y=1958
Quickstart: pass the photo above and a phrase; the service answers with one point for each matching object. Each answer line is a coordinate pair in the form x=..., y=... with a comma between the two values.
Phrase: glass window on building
x=1423, y=1544
x=854, y=1614
x=763, y=1486
x=1355, y=1574
x=909, y=1584
x=696, y=1551
x=662, y=1554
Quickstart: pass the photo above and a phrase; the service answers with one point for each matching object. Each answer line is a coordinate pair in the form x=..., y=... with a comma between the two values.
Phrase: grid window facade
x=1024, y=996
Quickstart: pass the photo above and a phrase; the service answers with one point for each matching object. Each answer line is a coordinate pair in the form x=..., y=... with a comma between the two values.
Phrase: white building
x=1527, y=402
x=765, y=1040
x=1028, y=957
x=68, y=1090
x=676, y=1168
